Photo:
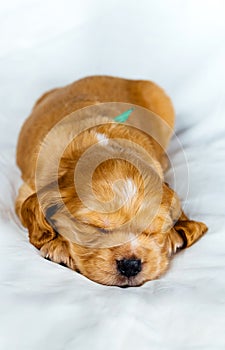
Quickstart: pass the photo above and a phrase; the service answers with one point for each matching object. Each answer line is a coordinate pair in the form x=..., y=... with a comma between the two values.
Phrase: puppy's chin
x=130, y=282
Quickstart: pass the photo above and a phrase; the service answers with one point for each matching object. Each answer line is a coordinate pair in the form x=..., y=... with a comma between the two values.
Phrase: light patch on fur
x=129, y=189
x=102, y=139
x=133, y=242
x=124, y=190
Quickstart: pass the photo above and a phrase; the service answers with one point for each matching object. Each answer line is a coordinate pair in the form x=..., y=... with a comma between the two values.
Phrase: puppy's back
x=57, y=103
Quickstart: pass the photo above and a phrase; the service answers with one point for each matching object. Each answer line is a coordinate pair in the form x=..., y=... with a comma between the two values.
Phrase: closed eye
x=103, y=230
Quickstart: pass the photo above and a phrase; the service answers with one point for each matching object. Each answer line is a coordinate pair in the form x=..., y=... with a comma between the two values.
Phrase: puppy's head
x=122, y=223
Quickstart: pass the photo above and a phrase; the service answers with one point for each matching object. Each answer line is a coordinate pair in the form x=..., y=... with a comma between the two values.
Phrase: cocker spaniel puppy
x=94, y=197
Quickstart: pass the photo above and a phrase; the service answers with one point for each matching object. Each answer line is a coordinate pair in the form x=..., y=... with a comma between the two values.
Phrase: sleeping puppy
x=94, y=197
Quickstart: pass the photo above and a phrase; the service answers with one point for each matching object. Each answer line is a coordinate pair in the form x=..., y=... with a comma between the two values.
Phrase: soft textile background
x=180, y=45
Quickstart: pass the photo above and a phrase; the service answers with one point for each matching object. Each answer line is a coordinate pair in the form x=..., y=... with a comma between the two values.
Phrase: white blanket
x=181, y=46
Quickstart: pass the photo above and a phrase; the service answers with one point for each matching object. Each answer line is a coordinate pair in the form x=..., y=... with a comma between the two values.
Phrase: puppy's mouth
x=127, y=282
x=130, y=282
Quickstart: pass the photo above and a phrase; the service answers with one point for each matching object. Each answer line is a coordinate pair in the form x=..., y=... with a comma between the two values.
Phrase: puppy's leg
x=42, y=235
x=58, y=250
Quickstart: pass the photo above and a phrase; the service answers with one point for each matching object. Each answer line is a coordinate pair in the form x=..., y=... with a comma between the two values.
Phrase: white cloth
x=181, y=46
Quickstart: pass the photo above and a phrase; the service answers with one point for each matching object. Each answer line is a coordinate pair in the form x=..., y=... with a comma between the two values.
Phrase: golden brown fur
x=149, y=226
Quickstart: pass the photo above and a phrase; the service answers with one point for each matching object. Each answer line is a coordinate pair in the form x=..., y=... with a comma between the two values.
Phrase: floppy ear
x=40, y=232
x=190, y=231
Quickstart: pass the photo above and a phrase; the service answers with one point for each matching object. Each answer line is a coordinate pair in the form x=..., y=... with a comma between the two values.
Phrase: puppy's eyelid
x=146, y=232
x=51, y=211
x=103, y=230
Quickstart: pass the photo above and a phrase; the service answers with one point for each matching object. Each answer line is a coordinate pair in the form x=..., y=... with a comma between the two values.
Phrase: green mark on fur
x=124, y=116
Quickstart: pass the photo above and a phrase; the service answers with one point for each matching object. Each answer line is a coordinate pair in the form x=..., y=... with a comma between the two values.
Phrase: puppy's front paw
x=58, y=250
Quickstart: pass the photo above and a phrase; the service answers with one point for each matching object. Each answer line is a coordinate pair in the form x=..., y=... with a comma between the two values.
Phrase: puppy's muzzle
x=129, y=267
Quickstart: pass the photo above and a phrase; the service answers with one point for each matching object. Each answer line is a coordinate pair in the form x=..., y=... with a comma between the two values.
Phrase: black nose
x=129, y=267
